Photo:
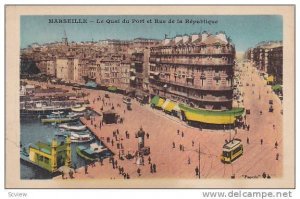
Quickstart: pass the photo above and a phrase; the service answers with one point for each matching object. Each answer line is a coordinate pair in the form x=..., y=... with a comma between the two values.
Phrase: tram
x=232, y=151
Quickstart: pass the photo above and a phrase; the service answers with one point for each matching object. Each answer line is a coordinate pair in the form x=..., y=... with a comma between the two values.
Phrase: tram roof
x=232, y=144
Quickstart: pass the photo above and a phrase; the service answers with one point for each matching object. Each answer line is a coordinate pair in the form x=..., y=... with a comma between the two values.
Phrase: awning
x=91, y=84
x=169, y=105
x=112, y=88
x=160, y=102
x=132, y=78
x=165, y=103
x=270, y=78
x=155, y=100
x=211, y=117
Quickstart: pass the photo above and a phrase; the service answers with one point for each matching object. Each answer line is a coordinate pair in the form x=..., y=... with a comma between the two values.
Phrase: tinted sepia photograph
x=190, y=97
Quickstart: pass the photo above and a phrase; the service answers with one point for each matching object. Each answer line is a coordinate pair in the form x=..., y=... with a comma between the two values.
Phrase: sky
x=245, y=31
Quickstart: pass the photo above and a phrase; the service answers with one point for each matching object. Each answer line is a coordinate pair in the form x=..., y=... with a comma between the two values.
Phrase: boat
x=58, y=118
x=93, y=152
x=78, y=108
x=73, y=127
x=81, y=137
x=57, y=112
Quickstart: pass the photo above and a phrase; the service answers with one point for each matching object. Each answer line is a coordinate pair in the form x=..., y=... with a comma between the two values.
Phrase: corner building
x=194, y=69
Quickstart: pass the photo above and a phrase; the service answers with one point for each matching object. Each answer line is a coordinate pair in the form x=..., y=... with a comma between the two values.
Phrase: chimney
x=195, y=37
x=222, y=36
x=178, y=39
x=185, y=38
x=204, y=36
x=166, y=41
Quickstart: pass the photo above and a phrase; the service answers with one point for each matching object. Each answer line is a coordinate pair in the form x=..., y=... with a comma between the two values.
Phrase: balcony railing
x=191, y=62
x=195, y=52
x=193, y=97
x=197, y=87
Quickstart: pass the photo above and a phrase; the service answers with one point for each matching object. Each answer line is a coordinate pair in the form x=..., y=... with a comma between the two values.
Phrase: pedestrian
x=261, y=141
x=119, y=170
x=147, y=135
x=112, y=142
x=189, y=160
x=127, y=176
x=151, y=168
x=197, y=171
x=75, y=167
x=86, y=169
x=149, y=160
x=277, y=156
x=182, y=134
x=264, y=175
x=71, y=174
x=138, y=171
x=154, y=168
x=177, y=131
x=247, y=140
x=276, y=145
x=116, y=163
x=248, y=127
x=193, y=143
x=182, y=148
x=173, y=145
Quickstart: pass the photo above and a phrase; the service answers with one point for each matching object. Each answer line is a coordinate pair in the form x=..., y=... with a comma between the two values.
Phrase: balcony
x=196, y=52
x=197, y=98
x=195, y=63
x=188, y=85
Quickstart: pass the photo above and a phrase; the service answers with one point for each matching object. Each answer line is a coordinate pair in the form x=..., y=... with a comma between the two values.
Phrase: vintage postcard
x=150, y=97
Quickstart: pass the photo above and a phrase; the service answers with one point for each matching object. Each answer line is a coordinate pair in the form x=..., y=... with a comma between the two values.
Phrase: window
x=40, y=158
x=46, y=160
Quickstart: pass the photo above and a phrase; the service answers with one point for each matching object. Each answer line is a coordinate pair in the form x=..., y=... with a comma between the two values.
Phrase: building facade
x=268, y=59
x=194, y=69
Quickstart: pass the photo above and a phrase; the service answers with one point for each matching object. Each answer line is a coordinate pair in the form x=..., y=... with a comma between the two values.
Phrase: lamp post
x=199, y=160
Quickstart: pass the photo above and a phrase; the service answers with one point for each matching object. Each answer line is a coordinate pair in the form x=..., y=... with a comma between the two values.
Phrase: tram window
x=237, y=149
x=226, y=154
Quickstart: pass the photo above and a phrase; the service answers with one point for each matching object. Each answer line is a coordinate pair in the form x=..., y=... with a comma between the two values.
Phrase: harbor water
x=32, y=131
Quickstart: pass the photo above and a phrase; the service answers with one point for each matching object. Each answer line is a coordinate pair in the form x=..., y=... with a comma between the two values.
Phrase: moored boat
x=93, y=153
x=58, y=118
x=81, y=137
x=73, y=127
x=78, y=108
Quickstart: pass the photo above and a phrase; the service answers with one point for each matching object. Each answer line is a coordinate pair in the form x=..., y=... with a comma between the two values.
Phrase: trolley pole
x=199, y=161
